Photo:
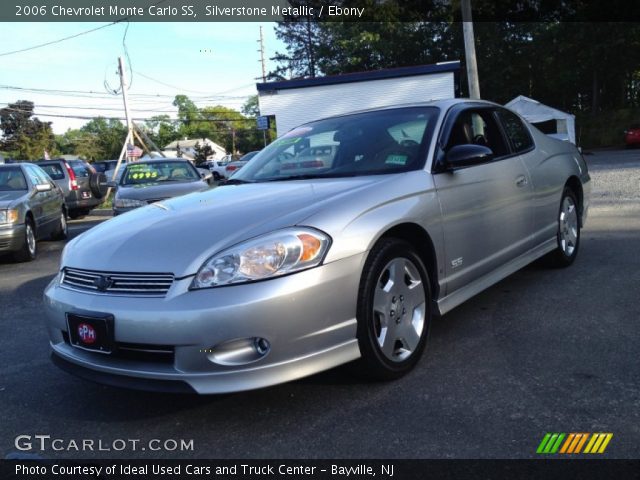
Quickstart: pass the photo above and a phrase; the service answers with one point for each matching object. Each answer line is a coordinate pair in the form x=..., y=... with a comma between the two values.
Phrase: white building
x=294, y=102
x=188, y=147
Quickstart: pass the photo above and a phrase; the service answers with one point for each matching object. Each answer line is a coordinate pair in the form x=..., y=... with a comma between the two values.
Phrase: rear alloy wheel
x=568, y=235
x=393, y=310
x=29, y=248
x=62, y=230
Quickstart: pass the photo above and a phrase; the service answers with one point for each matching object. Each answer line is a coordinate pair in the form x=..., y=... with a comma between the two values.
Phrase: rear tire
x=29, y=248
x=62, y=230
x=568, y=234
x=393, y=310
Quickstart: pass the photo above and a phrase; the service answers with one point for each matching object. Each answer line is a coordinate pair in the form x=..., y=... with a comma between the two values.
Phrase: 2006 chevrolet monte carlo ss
x=338, y=242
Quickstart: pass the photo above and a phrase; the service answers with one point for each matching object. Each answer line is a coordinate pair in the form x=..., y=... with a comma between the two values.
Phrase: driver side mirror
x=467, y=155
x=43, y=187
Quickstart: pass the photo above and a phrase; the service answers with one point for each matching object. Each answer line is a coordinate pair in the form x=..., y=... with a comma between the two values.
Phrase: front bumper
x=308, y=318
x=11, y=237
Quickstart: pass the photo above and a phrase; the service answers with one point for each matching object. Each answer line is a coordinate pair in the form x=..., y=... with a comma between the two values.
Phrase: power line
x=53, y=42
x=90, y=93
x=139, y=119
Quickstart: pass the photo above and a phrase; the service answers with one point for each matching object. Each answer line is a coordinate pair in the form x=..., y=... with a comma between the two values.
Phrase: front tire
x=568, y=234
x=393, y=310
x=29, y=248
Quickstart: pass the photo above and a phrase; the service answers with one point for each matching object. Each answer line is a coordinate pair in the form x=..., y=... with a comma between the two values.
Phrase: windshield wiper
x=234, y=181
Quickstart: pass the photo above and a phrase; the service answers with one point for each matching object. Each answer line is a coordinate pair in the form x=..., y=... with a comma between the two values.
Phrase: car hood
x=178, y=235
x=9, y=197
x=153, y=191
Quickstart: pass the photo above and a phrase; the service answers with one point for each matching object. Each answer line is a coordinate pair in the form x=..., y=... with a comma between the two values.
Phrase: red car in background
x=632, y=136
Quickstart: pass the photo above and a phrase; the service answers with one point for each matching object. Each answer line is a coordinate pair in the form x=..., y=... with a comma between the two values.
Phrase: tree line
x=587, y=68
x=25, y=137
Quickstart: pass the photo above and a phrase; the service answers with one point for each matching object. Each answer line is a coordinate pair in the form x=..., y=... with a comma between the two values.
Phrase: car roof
x=444, y=104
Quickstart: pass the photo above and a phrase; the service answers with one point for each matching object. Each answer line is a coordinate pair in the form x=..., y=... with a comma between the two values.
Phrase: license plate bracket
x=91, y=332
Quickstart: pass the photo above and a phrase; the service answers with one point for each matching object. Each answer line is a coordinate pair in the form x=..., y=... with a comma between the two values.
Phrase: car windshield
x=11, y=178
x=370, y=143
x=156, y=172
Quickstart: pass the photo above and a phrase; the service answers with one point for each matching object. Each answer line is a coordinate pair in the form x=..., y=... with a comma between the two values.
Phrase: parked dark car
x=83, y=187
x=151, y=181
x=31, y=207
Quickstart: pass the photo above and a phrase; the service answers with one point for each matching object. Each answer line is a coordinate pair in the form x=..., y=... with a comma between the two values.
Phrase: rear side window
x=516, y=131
x=54, y=171
x=79, y=169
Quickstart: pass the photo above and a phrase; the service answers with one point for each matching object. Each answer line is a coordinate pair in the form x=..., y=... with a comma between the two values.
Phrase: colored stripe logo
x=573, y=443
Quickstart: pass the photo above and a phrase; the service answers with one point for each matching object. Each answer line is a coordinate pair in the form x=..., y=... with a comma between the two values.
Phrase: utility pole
x=470, y=50
x=264, y=76
x=264, y=71
x=129, y=137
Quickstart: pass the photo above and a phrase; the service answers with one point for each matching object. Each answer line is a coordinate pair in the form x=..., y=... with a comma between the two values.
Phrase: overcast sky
x=212, y=63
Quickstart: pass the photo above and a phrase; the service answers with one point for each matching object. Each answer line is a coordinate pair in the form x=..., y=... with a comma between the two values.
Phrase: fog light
x=239, y=351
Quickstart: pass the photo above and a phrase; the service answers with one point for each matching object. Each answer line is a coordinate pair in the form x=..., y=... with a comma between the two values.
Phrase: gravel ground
x=616, y=179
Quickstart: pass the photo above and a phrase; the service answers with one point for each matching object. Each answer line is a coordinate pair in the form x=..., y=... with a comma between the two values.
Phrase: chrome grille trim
x=131, y=284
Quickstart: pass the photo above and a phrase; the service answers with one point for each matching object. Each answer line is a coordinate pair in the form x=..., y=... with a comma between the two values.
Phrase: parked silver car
x=31, y=207
x=150, y=181
x=276, y=276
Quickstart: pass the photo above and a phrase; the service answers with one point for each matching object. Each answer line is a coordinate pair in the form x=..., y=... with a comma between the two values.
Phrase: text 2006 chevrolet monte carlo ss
x=338, y=242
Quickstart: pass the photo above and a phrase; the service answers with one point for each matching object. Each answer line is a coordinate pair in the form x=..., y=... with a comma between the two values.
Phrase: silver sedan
x=285, y=272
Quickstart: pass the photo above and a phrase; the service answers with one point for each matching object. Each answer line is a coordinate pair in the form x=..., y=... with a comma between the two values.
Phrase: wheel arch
x=420, y=239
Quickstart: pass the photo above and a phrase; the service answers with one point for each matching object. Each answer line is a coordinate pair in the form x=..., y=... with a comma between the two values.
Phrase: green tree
x=203, y=152
x=24, y=137
x=109, y=135
x=162, y=130
x=83, y=144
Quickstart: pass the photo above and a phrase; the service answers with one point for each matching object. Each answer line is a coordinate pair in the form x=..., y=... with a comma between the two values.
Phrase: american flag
x=133, y=151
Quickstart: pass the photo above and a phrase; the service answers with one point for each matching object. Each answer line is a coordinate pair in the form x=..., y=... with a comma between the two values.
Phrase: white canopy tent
x=537, y=113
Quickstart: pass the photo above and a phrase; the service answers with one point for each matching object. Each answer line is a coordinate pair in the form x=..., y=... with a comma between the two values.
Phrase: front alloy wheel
x=393, y=310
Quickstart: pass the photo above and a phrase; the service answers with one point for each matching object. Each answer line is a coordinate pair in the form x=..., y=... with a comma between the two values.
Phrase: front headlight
x=267, y=256
x=128, y=203
x=9, y=216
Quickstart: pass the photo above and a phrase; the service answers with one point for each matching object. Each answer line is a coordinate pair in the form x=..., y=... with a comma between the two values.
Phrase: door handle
x=521, y=181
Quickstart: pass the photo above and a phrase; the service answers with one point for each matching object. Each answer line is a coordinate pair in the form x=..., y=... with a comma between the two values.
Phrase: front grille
x=130, y=284
x=140, y=352
x=4, y=244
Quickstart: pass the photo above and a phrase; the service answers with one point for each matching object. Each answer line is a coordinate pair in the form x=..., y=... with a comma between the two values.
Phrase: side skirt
x=463, y=294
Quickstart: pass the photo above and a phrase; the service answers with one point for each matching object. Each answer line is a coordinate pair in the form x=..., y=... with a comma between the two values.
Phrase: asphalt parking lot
x=542, y=351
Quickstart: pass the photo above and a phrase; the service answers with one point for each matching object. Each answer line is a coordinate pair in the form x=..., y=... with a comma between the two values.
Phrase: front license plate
x=91, y=333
